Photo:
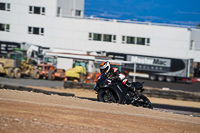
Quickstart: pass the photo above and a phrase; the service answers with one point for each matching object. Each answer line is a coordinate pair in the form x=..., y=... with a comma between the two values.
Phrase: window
x=43, y=11
x=90, y=36
x=123, y=39
x=140, y=41
x=114, y=38
x=147, y=41
x=102, y=37
x=48, y=60
x=4, y=27
x=41, y=31
x=5, y=6
x=107, y=38
x=78, y=13
x=130, y=40
x=135, y=40
x=59, y=11
x=2, y=6
x=97, y=37
x=36, y=30
x=36, y=10
x=192, y=43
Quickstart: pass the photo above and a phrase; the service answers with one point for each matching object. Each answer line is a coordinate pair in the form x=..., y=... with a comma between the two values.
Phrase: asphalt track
x=192, y=87
x=183, y=86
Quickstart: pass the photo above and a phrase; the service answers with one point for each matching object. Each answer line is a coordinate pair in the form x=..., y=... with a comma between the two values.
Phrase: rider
x=106, y=68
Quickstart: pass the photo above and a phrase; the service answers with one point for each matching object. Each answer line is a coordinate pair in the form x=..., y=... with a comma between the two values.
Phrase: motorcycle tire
x=107, y=96
x=146, y=102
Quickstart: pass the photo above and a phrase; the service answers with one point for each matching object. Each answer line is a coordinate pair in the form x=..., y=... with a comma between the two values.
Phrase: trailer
x=157, y=68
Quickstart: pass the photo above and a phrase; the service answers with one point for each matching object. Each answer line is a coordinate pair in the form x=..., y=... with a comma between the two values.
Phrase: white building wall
x=195, y=37
x=165, y=41
x=69, y=7
x=73, y=33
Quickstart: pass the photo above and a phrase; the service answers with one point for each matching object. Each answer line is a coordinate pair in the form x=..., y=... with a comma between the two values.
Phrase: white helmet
x=105, y=67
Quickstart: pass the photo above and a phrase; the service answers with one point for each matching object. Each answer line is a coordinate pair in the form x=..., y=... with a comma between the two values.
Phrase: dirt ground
x=29, y=112
x=91, y=94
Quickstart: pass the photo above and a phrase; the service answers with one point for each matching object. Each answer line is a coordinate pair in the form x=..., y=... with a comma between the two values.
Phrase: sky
x=181, y=12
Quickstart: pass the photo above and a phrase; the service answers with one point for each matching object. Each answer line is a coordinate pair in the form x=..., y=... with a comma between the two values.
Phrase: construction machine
x=48, y=69
x=83, y=71
x=76, y=73
x=7, y=67
x=15, y=65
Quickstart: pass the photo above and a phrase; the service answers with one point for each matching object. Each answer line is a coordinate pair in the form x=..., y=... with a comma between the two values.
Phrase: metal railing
x=131, y=22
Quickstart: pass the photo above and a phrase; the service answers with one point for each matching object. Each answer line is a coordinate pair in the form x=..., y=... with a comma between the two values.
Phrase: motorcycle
x=111, y=90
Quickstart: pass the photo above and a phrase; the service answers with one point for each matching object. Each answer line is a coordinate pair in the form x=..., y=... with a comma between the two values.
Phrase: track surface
x=166, y=107
x=32, y=112
x=193, y=87
x=190, y=87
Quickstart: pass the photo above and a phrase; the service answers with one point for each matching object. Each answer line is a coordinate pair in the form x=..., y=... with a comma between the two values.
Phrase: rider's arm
x=121, y=76
x=118, y=74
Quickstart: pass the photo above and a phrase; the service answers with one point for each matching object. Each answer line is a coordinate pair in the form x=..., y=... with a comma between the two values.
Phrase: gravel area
x=35, y=112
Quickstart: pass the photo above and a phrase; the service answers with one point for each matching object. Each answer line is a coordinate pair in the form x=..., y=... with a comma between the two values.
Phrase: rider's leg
x=129, y=85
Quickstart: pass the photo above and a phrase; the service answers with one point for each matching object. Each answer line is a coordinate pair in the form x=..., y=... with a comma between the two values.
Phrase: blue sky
x=183, y=12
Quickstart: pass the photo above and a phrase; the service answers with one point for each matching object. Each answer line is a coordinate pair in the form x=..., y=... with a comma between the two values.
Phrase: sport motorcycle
x=111, y=90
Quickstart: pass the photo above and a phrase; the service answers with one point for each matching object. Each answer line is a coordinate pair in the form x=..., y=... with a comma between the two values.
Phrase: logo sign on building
x=150, y=63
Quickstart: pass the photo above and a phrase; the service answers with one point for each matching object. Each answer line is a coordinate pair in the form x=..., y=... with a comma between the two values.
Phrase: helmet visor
x=104, y=70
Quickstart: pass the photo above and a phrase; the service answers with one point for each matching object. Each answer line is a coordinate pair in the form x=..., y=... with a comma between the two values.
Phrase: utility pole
x=134, y=79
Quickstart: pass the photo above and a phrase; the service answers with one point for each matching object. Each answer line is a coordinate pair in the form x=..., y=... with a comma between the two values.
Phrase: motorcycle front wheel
x=146, y=102
x=107, y=96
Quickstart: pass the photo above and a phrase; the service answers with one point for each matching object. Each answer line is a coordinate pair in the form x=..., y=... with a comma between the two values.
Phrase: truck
x=156, y=68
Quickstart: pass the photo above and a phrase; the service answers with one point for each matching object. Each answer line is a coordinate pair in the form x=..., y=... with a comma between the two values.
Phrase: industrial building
x=62, y=24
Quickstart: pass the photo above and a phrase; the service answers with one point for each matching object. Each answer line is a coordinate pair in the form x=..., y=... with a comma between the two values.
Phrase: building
x=61, y=24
